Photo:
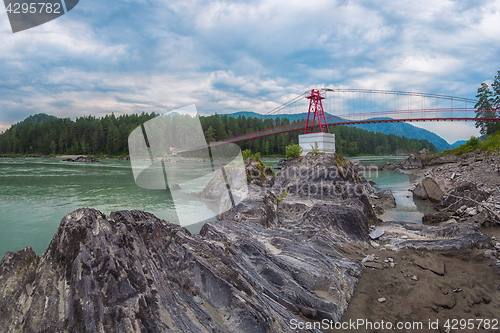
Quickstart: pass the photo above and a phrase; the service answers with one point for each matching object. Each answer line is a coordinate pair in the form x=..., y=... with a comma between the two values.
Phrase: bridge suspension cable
x=354, y=111
x=353, y=104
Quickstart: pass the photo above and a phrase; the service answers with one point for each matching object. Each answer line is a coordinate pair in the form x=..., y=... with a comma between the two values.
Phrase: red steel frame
x=315, y=102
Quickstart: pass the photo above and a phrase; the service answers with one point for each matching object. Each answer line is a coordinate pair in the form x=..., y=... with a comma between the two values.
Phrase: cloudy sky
x=225, y=56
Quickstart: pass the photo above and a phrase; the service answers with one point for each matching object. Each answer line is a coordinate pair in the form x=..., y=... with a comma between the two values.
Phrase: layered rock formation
x=131, y=272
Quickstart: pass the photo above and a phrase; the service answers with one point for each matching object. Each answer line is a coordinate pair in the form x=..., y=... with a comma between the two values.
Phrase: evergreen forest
x=42, y=134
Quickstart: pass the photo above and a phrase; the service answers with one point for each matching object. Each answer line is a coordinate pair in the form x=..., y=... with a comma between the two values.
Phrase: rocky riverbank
x=82, y=159
x=291, y=255
x=447, y=268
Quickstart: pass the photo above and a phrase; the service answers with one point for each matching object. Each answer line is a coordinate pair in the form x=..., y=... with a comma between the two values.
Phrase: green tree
x=473, y=141
x=293, y=151
x=52, y=147
x=246, y=154
x=484, y=109
x=267, y=148
x=488, y=105
x=210, y=134
x=109, y=135
x=496, y=91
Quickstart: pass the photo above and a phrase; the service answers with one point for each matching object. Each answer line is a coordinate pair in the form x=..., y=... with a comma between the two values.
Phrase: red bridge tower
x=316, y=107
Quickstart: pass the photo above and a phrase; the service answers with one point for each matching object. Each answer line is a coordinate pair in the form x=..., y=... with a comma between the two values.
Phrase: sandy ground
x=428, y=286
x=434, y=288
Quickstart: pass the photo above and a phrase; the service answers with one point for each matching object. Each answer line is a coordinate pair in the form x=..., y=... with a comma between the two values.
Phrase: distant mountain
x=399, y=129
x=458, y=143
x=409, y=131
x=36, y=119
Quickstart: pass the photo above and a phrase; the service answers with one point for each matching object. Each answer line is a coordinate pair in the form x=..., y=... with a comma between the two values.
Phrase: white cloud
x=53, y=39
x=226, y=56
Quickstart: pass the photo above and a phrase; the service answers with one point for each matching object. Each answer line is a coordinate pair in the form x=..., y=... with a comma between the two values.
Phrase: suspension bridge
x=364, y=106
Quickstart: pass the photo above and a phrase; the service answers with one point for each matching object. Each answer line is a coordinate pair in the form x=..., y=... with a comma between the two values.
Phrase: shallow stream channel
x=398, y=182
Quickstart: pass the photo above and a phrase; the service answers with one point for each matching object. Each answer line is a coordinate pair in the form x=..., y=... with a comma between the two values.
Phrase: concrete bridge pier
x=325, y=141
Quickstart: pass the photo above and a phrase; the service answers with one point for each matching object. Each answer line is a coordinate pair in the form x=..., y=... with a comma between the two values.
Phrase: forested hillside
x=109, y=136
x=397, y=128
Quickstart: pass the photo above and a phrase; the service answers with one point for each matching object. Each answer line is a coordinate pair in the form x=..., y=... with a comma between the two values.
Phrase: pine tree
x=496, y=91
x=484, y=109
x=210, y=134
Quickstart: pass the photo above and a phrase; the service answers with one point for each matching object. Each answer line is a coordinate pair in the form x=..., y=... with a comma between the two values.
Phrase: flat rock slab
x=376, y=233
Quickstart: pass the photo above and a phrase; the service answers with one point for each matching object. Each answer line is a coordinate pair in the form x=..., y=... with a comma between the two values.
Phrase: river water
x=36, y=193
x=398, y=182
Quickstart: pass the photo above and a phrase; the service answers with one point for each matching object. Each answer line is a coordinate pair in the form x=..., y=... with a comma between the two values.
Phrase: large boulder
x=228, y=185
x=260, y=206
x=434, y=192
x=435, y=217
x=389, y=166
x=347, y=221
x=411, y=162
x=385, y=199
x=328, y=177
x=428, y=189
x=419, y=192
x=381, y=201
